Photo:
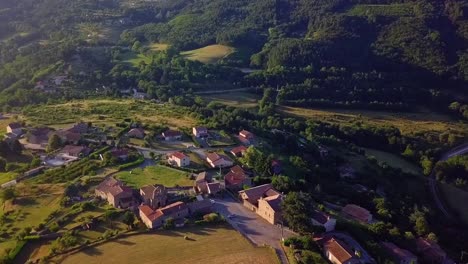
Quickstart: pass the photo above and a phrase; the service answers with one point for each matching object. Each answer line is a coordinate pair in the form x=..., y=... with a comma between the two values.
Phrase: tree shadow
x=92, y=251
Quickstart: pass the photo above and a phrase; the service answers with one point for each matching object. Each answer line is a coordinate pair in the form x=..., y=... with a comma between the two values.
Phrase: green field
x=7, y=176
x=209, y=54
x=155, y=175
x=236, y=99
x=408, y=123
x=405, y=9
x=205, y=245
x=158, y=46
x=456, y=200
x=394, y=161
x=107, y=112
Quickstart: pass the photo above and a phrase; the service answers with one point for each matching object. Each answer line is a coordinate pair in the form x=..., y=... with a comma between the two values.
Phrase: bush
x=212, y=218
x=169, y=224
x=139, y=161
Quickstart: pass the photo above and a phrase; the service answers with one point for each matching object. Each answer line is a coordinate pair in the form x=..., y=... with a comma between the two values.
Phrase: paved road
x=433, y=181
x=259, y=231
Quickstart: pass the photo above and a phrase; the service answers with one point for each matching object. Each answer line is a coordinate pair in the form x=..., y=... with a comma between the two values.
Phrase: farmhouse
x=355, y=212
x=39, y=135
x=154, y=196
x=400, y=256
x=15, y=129
x=204, y=184
x=171, y=135
x=80, y=128
x=218, y=160
x=200, y=132
x=75, y=151
x=236, y=179
x=178, y=159
x=264, y=200
x=239, y=151
x=156, y=218
x=338, y=252
x=246, y=135
x=116, y=193
x=69, y=137
x=136, y=133
x=322, y=219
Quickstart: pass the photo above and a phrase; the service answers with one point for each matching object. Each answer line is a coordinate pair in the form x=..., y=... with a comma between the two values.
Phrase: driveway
x=257, y=230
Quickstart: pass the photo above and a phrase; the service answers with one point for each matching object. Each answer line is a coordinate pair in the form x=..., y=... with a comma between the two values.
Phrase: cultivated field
x=393, y=161
x=209, y=54
x=204, y=245
x=408, y=123
x=236, y=99
x=154, y=175
x=107, y=112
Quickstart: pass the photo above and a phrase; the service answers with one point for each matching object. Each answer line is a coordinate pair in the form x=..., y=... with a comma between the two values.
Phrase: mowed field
x=236, y=99
x=107, y=112
x=219, y=244
x=154, y=175
x=394, y=161
x=209, y=54
x=408, y=123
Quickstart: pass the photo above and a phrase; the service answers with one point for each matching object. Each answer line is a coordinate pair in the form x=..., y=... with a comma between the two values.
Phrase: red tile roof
x=338, y=249
x=255, y=193
x=235, y=176
x=246, y=134
x=149, y=213
x=155, y=214
x=239, y=150
x=320, y=217
x=113, y=187
x=397, y=252
x=357, y=212
x=178, y=155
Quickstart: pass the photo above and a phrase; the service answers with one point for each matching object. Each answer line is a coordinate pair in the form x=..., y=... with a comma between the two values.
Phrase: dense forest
x=379, y=54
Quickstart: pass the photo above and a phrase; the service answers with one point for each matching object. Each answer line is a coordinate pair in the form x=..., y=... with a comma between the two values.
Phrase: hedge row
x=139, y=161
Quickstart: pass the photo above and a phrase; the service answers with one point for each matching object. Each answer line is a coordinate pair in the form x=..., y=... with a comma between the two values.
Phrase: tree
x=54, y=143
x=129, y=219
x=426, y=164
x=297, y=211
x=3, y=164
x=7, y=194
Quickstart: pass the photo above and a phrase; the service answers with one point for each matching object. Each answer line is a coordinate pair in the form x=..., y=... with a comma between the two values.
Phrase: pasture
x=210, y=54
x=235, y=99
x=154, y=175
x=394, y=161
x=204, y=245
x=408, y=123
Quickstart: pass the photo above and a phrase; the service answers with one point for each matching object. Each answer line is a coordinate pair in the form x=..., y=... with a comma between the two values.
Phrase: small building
x=338, y=252
x=263, y=200
x=431, y=252
x=178, y=159
x=218, y=160
x=246, y=135
x=155, y=196
x=116, y=193
x=236, y=179
x=399, y=255
x=69, y=137
x=171, y=135
x=200, y=132
x=75, y=151
x=201, y=182
x=80, y=128
x=355, y=212
x=39, y=135
x=15, y=129
x=239, y=151
x=120, y=153
x=323, y=219
x=136, y=133
x=156, y=218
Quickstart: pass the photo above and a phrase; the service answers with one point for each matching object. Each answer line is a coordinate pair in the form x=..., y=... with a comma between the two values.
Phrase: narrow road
x=460, y=150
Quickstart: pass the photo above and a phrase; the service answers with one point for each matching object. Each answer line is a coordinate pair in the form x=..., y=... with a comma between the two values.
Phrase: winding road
x=460, y=150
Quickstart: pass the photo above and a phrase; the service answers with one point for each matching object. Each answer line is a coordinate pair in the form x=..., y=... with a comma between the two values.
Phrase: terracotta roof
x=320, y=217
x=172, y=208
x=338, y=249
x=172, y=133
x=201, y=129
x=215, y=157
x=150, y=213
x=113, y=187
x=203, y=176
x=255, y=193
x=235, y=176
x=213, y=187
x=246, y=134
x=274, y=202
x=75, y=150
x=179, y=155
x=155, y=214
x=15, y=125
x=239, y=150
x=397, y=252
x=152, y=191
x=357, y=212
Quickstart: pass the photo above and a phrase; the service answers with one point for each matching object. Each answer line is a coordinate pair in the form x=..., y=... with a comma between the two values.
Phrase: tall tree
x=297, y=211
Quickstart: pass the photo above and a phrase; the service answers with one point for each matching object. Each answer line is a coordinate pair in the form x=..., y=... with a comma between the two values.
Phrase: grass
x=236, y=99
x=158, y=46
x=394, y=161
x=155, y=175
x=7, y=176
x=404, y=9
x=408, y=123
x=32, y=206
x=209, y=54
x=205, y=245
x=135, y=59
x=107, y=112
x=455, y=198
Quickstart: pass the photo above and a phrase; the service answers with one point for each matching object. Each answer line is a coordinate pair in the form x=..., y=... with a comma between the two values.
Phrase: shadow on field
x=92, y=251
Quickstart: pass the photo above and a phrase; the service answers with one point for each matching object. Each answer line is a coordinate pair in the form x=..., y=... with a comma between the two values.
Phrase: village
x=216, y=184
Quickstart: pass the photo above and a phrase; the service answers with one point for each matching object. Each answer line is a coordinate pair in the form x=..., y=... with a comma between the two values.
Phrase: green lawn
x=7, y=176
x=393, y=161
x=236, y=99
x=155, y=175
x=135, y=59
x=205, y=245
x=209, y=54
